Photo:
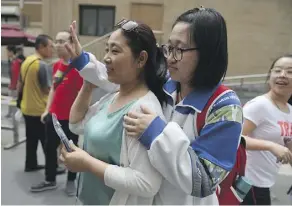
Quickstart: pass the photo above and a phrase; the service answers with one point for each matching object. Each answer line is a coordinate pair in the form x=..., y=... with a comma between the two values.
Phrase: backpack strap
x=201, y=117
x=242, y=153
x=69, y=68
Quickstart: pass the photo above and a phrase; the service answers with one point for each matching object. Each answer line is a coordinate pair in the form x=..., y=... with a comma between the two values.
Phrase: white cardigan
x=137, y=181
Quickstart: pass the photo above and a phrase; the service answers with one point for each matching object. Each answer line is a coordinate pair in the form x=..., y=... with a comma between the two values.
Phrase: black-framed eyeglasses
x=175, y=51
x=127, y=25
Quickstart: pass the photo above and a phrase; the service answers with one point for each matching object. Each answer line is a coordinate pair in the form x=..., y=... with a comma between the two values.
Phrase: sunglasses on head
x=127, y=25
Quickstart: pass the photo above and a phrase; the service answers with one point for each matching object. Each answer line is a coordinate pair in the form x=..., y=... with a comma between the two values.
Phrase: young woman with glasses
x=268, y=125
x=192, y=163
x=115, y=168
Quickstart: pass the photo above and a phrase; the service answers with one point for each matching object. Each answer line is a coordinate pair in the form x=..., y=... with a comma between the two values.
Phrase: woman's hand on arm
x=136, y=123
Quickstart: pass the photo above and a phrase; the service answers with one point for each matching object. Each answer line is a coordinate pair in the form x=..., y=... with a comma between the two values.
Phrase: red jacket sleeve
x=15, y=71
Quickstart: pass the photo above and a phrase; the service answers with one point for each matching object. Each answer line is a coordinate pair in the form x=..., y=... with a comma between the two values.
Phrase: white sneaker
x=70, y=188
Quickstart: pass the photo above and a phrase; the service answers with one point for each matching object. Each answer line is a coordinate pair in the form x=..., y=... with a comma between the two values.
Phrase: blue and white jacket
x=192, y=165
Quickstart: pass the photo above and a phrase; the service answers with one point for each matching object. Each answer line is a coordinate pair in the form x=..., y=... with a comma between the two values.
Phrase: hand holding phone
x=64, y=139
x=288, y=143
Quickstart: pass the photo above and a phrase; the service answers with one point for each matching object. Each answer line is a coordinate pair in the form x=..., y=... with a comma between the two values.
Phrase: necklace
x=275, y=103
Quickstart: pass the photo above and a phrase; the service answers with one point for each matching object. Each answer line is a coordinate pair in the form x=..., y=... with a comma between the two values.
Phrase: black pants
x=35, y=132
x=52, y=143
x=258, y=196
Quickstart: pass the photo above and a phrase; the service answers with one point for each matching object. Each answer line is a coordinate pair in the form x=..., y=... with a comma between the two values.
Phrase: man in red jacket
x=66, y=85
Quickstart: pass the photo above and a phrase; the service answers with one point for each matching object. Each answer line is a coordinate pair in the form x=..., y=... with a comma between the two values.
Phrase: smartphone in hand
x=64, y=139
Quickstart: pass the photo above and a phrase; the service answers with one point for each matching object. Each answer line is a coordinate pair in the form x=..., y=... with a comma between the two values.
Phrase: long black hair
x=155, y=69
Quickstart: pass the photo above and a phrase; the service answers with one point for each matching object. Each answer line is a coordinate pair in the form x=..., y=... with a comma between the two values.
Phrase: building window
x=96, y=20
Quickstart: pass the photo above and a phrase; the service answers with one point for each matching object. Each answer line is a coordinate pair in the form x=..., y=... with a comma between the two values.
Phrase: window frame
x=83, y=7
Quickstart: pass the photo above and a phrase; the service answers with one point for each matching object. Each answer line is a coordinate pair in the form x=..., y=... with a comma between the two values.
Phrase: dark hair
x=274, y=62
x=142, y=38
x=208, y=31
x=42, y=39
x=290, y=101
x=19, y=51
x=11, y=48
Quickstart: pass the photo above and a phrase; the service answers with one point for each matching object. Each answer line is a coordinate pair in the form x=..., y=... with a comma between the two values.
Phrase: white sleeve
x=140, y=177
x=254, y=110
x=96, y=73
x=179, y=164
x=78, y=128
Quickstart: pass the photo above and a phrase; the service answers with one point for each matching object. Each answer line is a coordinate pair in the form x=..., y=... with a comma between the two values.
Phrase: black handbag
x=20, y=92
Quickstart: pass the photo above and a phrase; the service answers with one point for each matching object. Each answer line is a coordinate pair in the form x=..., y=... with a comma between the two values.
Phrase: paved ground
x=15, y=183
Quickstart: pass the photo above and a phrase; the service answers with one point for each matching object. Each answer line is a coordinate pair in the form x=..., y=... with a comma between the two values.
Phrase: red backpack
x=225, y=192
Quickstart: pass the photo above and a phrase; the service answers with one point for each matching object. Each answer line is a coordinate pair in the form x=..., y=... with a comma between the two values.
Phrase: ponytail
x=155, y=81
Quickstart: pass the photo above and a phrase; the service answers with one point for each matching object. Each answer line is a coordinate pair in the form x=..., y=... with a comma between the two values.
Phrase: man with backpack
x=34, y=85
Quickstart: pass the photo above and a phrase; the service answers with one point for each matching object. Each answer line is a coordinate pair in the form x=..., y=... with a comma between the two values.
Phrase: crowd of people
x=168, y=131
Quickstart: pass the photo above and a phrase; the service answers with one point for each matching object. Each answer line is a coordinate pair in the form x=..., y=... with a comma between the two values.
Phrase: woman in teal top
x=103, y=139
x=116, y=168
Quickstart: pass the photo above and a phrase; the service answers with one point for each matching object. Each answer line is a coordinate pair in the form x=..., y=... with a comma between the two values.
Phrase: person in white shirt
x=268, y=117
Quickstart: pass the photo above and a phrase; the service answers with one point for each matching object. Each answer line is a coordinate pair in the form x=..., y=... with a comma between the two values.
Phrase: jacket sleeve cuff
x=81, y=61
x=110, y=176
x=155, y=128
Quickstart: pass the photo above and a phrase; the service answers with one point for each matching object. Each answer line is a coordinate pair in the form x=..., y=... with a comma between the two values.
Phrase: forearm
x=257, y=144
x=93, y=71
x=18, y=86
x=96, y=167
x=81, y=104
x=133, y=179
x=50, y=99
